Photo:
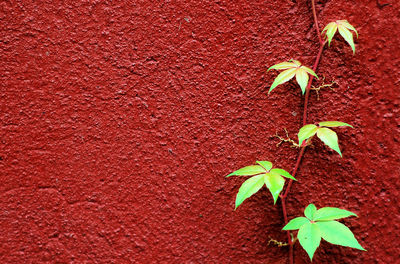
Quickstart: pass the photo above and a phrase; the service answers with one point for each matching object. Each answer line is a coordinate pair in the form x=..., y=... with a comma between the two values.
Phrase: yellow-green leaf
x=296, y=223
x=346, y=34
x=333, y=124
x=330, y=138
x=331, y=213
x=347, y=25
x=283, y=173
x=282, y=78
x=274, y=183
x=309, y=211
x=248, y=188
x=338, y=234
x=330, y=31
x=306, y=132
x=302, y=79
x=309, y=238
x=266, y=164
x=282, y=66
x=309, y=71
x=248, y=171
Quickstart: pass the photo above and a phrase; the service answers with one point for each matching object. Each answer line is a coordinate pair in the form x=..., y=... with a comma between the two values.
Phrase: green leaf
x=306, y=132
x=331, y=213
x=248, y=171
x=333, y=124
x=248, y=188
x=330, y=138
x=296, y=223
x=330, y=31
x=283, y=173
x=282, y=78
x=302, y=79
x=274, y=183
x=346, y=24
x=309, y=211
x=266, y=164
x=338, y=234
x=282, y=66
x=309, y=71
x=298, y=63
x=346, y=34
x=309, y=238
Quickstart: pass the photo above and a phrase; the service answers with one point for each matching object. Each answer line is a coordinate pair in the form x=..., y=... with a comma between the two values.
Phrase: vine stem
x=304, y=145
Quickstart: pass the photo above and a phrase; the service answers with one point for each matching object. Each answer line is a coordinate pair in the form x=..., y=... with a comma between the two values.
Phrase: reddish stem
x=303, y=147
x=316, y=22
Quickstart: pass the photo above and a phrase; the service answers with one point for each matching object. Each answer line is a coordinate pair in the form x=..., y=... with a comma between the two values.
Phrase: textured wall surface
x=119, y=119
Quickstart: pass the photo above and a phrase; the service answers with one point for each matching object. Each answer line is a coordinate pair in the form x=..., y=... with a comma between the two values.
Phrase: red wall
x=119, y=120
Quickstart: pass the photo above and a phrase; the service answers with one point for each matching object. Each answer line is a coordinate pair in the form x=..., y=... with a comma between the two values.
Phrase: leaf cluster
x=344, y=28
x=319, y=224
x=292, y=68
x=328, y=136
x=262, y=173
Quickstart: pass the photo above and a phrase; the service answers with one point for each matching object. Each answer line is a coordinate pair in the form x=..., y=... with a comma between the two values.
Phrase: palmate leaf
x=292, y=68
x=320, y=224
x=344, y=28
x=262, y=174
x=328, y=136
x=248, y=188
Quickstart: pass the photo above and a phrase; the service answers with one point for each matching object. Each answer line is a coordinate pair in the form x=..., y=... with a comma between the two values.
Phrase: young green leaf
x=310, y=71
x=346, y=34
x=296, y=223
x=248, y=171
x=266, y=164
x=283, y=173
x=302, y=79
x=330, y=31
x=282, y=66
x=274, y=183
x=309, y=211
x=309, y=238
x=306, y=132
x=331, y=213
x=283, y=77
x=330, y=138
x=248, y=188
x=320, y=223
x=333, y=124
x=346, y=24
x=338, y=234
x=292, y=68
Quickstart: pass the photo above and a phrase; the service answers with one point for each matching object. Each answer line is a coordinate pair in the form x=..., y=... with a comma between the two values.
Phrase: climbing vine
x=316, y=224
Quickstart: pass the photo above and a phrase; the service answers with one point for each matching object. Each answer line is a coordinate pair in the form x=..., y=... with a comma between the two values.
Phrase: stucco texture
x=120, y=119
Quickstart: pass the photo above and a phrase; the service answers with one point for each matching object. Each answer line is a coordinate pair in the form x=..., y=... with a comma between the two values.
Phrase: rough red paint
x=119, y=120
